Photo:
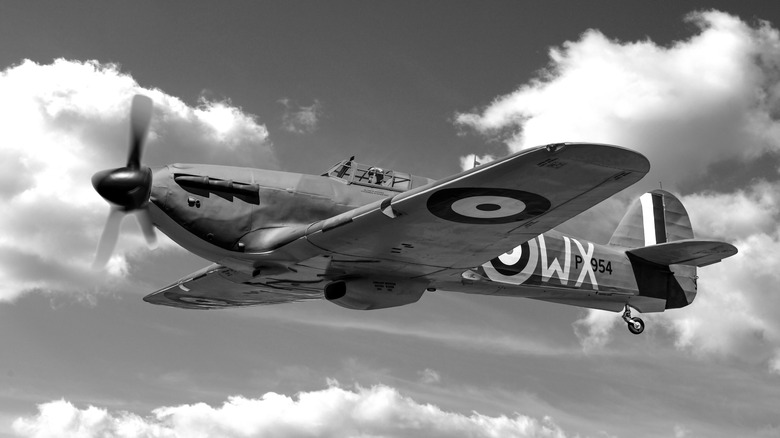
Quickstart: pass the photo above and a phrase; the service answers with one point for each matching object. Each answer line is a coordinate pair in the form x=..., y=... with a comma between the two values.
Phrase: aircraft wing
x=462, y=221
x=217, y=287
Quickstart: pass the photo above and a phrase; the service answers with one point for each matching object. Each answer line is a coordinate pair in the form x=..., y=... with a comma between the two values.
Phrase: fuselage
x=239, y=217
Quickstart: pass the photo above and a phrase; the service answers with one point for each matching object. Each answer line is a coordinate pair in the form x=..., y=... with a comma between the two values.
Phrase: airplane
x=366, y=238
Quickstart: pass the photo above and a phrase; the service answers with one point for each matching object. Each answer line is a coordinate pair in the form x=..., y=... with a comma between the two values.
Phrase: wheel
x=636, y=326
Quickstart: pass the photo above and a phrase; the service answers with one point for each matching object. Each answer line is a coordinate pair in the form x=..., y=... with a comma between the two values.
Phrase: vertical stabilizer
x=658, y=217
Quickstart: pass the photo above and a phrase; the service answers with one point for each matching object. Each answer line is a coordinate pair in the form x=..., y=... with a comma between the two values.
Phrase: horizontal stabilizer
x=689, y=252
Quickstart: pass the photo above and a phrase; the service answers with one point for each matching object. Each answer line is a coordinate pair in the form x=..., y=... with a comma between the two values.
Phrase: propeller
x=127, y=189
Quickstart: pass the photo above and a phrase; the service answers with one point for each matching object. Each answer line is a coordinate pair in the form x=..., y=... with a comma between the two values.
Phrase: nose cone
x=125, y=187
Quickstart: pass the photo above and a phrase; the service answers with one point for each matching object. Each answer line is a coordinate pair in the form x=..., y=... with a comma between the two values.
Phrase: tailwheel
x=635, y=325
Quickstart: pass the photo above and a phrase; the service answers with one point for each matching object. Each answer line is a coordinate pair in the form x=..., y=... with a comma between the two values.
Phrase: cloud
x=66, y=120
x=681, y=431
x=303, y=120
x=429, y=376
x=691, y=106
x=774, y=364
x=734, y=314
x=333, y=412
x=594, y=330
x=712, y=97
x=736, y=215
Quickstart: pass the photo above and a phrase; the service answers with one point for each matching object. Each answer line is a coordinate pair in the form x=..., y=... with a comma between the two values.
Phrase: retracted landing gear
x=635, y=325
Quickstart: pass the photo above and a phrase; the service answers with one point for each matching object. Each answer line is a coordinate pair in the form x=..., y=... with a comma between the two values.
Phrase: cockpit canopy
x=362, y=174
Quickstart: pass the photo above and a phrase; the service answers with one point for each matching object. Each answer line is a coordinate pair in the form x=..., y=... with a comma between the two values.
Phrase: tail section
x=659, y=241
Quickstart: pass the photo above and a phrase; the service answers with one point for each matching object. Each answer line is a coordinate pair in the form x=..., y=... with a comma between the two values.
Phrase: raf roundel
x=516, y=266
x=486, y=205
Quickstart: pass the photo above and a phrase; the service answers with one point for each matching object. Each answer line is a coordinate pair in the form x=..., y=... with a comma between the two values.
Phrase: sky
x=421, y=87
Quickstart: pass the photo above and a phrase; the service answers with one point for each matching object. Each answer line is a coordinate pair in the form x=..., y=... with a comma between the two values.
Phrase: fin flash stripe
x=653, y=218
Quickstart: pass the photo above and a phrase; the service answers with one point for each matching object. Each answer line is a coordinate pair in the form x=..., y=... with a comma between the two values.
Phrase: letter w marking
x=555, y=266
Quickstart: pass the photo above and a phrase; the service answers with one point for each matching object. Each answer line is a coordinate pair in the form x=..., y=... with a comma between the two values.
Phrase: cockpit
x=362, y=174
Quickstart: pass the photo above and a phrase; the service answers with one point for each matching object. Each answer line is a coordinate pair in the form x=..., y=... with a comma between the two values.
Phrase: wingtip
x=607, y=155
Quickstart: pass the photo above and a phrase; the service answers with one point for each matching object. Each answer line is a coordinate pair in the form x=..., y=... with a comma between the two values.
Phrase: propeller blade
x=108, y=239
x=140, y=116
x=127, y=188
x=145, y=222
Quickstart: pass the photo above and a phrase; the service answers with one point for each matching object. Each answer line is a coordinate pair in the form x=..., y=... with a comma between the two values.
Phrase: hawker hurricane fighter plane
x=369, y=238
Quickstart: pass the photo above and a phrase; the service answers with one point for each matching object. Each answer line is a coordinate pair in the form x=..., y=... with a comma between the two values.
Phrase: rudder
x=658, y=217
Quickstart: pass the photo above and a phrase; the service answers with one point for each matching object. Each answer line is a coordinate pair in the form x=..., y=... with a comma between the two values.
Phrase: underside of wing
x=217, y=287
x=471, y=217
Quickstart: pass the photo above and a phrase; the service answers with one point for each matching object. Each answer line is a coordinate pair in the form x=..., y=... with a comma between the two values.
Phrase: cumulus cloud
x=66, y=120
x=333, y=412
x=301, y=119
x=709, y=98
x=736, y=215
x=734, y=313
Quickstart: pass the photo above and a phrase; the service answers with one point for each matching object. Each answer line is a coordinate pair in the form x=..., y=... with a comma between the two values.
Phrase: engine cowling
x=372, y=293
